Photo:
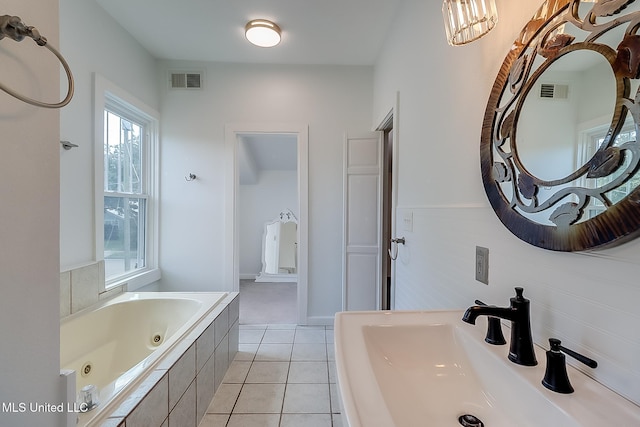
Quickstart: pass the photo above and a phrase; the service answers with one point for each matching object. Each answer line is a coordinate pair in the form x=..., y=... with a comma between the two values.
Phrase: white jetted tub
x=112, y=345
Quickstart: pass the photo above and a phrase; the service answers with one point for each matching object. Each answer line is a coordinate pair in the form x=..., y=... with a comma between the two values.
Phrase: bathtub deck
x=181, y=387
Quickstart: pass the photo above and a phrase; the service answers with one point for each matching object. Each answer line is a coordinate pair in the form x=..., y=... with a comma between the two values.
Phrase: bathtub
x=114, y=345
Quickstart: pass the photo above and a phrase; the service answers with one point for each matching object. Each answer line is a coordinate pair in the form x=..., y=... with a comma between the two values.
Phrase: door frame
x=391, y=118
x=231, y=239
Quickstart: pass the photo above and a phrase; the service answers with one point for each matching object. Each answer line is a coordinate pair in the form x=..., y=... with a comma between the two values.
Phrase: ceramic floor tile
x=279, y=384
x=331, y=352
x=332, y=372
x=308, y=372
x=310, y=336
x=247, y=352
x=278, y=336
x=309, y=352
x=214, y=420
x=305, y=420
x=306, y=399
x=268, y=372
x=258, y=420
x=225, y=399
x=282, y=326
x=260, y=399
x=336, y=406
x=237, y=372
x=329, y=335
x=251, y=336
x=274, y=352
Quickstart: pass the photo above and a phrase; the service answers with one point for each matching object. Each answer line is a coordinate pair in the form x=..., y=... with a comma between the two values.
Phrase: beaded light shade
x=468, y=20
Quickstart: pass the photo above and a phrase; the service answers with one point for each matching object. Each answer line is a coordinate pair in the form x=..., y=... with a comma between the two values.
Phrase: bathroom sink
x=430, y=368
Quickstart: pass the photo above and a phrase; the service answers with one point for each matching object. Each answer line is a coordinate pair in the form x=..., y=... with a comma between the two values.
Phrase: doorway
x=387, y=187
x=267, y=212
x=267, y=137
x=389, y=199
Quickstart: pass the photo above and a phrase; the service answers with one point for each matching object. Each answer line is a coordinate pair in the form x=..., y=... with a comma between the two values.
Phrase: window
x=126, y=178
x=594, y=139
x=125, y=196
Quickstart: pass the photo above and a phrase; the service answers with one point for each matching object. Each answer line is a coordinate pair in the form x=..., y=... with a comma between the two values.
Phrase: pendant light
x=468, y=20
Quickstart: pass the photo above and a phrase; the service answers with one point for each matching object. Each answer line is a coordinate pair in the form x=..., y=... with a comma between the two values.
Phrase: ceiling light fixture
x=263, y=33
x=468, y=20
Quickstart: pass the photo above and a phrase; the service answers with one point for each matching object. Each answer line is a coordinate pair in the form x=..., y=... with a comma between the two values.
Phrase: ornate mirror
x=559, y=154
x=280, y=249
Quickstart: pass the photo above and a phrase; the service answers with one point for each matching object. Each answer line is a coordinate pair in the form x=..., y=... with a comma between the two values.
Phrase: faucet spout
x=473, y=312
x=521, y=347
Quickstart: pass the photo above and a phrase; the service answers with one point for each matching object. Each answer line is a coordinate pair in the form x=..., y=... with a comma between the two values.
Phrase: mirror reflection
x=559, y=146
x=280, y=249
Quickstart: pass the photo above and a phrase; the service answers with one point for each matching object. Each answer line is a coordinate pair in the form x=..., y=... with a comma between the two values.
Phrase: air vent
x=186, y=80
x=554, y=91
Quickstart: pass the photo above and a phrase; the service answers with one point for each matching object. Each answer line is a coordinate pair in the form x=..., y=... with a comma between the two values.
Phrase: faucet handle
x=494, y=329
x=555, y=376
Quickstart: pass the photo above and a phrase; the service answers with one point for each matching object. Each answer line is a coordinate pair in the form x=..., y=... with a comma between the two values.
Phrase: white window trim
x=587, y=131
x=105, y=92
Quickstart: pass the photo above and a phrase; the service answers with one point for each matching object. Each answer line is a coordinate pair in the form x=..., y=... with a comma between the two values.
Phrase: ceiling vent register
x=554, y=91
x=186, y=80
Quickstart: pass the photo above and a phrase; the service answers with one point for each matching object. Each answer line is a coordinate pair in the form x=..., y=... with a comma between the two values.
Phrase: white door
x=362, y=253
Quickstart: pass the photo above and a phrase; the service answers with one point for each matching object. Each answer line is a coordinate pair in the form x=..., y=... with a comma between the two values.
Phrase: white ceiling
x=327, y=32
x=266, y=151
x=346, y=32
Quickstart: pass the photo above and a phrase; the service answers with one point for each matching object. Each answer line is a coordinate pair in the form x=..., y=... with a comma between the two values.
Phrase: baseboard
x=320, y=320
x=247, y=276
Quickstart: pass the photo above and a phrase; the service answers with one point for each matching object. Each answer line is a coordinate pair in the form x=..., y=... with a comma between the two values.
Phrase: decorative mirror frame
x=499, y=159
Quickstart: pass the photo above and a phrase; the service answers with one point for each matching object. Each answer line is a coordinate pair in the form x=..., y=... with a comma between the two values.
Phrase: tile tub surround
x=84, y=286
x=282, y=376
x=180, y=388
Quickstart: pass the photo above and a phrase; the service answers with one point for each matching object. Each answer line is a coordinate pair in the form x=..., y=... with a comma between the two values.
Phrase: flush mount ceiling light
x=468, y=20
x=263, y=33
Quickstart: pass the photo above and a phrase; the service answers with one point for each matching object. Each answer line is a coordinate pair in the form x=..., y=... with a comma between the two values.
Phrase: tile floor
x=282, y=376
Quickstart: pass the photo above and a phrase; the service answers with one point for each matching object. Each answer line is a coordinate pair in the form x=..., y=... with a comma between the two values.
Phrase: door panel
x=363, y=209
x=362, y=254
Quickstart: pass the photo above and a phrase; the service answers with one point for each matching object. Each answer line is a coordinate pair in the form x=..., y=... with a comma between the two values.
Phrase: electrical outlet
x=482, y=265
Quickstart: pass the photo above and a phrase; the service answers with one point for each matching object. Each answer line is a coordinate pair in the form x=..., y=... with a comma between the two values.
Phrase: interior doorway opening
x=387, y=210
x=267, y=217
x=246, y=210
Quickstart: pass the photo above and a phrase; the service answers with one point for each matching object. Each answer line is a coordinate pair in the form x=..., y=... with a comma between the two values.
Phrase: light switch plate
x=482, y=265
x=407, y=221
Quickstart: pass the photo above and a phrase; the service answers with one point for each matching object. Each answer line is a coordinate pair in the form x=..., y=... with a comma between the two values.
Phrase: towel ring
x=397, y=241
x=14, y=28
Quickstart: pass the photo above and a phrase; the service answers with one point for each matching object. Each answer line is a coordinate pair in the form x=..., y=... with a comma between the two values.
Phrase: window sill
x=136, y=280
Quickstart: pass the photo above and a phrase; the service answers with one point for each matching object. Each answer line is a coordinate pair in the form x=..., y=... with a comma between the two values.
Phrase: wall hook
x=191, y=177
x=68, y=145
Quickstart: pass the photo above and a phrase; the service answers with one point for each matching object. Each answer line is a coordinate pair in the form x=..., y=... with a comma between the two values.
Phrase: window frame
x=108, y=96
x=591, y=135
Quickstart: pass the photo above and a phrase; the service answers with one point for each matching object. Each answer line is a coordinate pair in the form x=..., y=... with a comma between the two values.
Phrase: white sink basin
x=429, y=368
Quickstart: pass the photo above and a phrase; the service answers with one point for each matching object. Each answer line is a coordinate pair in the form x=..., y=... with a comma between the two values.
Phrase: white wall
x=275, y=191
x=589, y=300
x=330, y=99
x=29, y=194
x=92, y=42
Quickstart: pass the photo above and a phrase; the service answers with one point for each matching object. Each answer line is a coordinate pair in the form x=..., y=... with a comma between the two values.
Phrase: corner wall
x=92, y=42
x=29, y=194
x=588, y=300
